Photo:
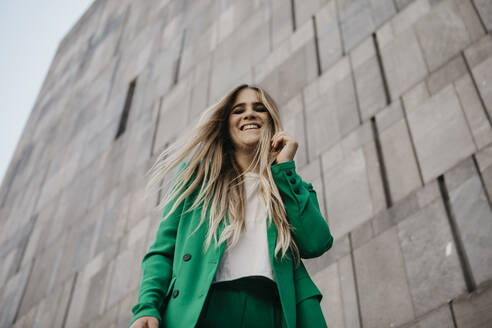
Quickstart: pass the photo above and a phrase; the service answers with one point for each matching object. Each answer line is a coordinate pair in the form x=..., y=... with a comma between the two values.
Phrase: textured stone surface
x=381, y=282
x=330, y=99
x=329, y=38
x=474, y=310
x=73, y=216
x=484, y=8
x=432, y=264
x=473, y=217
x=440, y=132
x=403, y=62
x=368, y=79
x=399, y=157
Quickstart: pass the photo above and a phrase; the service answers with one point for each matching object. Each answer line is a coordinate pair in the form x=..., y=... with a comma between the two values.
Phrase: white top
x=250, y=256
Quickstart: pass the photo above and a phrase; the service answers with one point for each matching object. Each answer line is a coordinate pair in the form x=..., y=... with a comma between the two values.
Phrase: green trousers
x=242, y=303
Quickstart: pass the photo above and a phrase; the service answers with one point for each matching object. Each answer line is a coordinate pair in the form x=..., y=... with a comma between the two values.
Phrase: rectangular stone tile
x=173, y=116
x=383, y=291
x=51, y=311
x=431, y=260
x=368, y=79
x=312, y=173
x=356, y=22
x=242, y=50
x=305, y=9
x=440, y=133
x=329, y=37
x=473, y=217
x=443, y=33
x=451, y=71
x=484, y=8
x=399, y=158
x=482, y=75
x=328, y=282
x=281, y=21
x=330, y=100
x=293, y=121
x=347, y=183
x=11, y=295
x=474, y=111
x=292, y=75
x=348, y=291
x=441, y=317
x=474, y=310
x=403, y=62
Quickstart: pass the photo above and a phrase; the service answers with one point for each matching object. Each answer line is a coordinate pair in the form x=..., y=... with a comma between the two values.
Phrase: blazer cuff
x=143, y=310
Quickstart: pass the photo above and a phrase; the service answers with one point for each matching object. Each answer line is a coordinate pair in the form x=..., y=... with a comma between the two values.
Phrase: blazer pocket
x=171, y=286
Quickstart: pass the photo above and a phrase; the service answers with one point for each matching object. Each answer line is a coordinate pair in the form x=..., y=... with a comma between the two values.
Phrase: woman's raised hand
x=288, y=144
x=146, y=322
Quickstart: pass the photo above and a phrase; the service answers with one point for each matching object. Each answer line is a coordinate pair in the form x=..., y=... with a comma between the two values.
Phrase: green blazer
x=176, y=276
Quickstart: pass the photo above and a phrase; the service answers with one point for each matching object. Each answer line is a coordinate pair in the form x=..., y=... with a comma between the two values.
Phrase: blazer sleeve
x=311, y=231
x=157, y=265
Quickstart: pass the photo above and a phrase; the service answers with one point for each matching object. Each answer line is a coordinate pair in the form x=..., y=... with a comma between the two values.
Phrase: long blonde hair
x=219, y=176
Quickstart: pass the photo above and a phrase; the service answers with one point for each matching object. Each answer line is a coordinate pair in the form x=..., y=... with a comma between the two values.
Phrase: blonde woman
x=236, y=222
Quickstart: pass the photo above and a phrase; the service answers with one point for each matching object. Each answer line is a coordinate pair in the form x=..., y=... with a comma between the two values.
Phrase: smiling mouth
x=250, y=127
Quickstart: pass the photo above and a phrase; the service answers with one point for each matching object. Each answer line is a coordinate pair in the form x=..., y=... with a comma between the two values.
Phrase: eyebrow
x=242, y=104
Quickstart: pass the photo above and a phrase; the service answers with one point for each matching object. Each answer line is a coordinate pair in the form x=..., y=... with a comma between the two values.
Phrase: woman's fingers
x=146, y=322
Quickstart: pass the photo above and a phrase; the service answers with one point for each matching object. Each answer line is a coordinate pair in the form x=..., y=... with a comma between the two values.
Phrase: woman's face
x=247, y=116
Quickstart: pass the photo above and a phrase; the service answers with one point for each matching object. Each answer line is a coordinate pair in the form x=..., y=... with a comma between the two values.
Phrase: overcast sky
x=30, y=31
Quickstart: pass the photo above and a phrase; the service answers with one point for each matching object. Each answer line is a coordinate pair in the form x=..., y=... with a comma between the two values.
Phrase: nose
x=249, y=113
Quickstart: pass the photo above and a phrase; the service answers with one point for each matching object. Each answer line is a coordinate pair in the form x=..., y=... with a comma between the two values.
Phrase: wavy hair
x=219, y=176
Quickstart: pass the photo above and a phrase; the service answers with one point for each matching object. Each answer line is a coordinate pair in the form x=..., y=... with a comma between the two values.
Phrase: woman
x=240, y=184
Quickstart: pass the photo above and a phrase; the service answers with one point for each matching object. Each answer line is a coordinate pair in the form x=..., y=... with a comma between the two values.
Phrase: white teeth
x=250, y=126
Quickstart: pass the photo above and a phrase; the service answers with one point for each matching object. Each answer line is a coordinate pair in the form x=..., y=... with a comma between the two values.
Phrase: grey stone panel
x=451, y=71
x=484, y=8
x=199, y=93
x=348, y=292
x=474, y=310
x=474, y=111
x=11, y=294
x=401, y=4
x=292, y=117
x=173, y=115
x=358, y=19
x=141, y=15
x=51, y=310
x=482, y=75
x=473, y=217
x=329, y=37
x=368, y=80
x=381, y=281
x=431, y=260
x=440, y=317
x=134, y=58
x=347, y=174
x=311, y=173
x=479, y=51
x=281, y=21
x=399, y=158
x=99, y=263
x=403, y=61
x=237, y=54
x=440, y=133
x=328, y=282
x=443, y=32
x=304, y=10
x=484, y=161
x=330, y=99
x=292, y=75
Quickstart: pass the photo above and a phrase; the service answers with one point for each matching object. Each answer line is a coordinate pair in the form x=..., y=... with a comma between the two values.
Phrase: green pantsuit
x=177, y=276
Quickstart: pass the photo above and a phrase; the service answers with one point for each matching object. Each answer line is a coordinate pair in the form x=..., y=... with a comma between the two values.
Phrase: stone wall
x=390, y=100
